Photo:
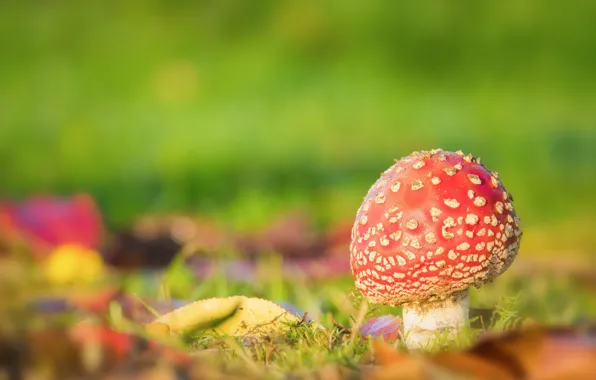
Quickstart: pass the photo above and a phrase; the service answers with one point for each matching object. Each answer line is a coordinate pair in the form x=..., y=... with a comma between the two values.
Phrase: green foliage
x=189, y=106
x=305, y=347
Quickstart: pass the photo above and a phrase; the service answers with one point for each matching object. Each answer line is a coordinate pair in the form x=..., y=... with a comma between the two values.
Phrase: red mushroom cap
x=433, y=224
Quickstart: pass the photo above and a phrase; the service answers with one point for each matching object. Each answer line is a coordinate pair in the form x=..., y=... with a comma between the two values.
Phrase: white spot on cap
x=412, y=224
x=366, y=205
x=471, y=194
x=435, y=180
x=395, y=235
x=451, y=202
x=449, y=222
x=508, y=231
x=471, y=219
x=446, y=234
x=417, y=185
x=450, y=171
x=474, y=179
x=363, y=219
x=439, y=251
x=463, y=246
x=380, y=198
x=499, y=207
x=470, y=233
x=430, y=238
x=435, y=211
x=384, y=241
x=395, y=186
x=479, y=201
x=415, y=243
x=418, y=164
x=452, y=255
x=381, y=183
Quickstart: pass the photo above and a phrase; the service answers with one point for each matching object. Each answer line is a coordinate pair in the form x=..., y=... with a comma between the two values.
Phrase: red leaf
x=47, y=222
x=115, y=343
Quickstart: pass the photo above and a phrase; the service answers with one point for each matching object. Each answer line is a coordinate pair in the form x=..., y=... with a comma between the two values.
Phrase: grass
x=303, y=350
x=514, y=299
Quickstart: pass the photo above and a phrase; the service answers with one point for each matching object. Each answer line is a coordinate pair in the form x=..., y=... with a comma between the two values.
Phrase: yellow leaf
x=236, y=316
x=73, y=264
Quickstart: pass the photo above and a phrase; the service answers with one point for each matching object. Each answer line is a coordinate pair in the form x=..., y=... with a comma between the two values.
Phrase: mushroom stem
x=424, y=323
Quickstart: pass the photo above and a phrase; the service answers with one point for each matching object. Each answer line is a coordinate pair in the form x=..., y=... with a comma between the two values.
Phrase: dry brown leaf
x=395, y=364
x=466, y=366
x=518, y=351
x=567, y=354
x=534, y=353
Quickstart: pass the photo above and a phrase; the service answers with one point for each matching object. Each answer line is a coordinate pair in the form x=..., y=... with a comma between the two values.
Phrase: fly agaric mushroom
x=434, y=224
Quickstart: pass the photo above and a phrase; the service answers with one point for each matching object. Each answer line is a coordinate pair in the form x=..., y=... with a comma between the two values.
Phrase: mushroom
x=434, y=223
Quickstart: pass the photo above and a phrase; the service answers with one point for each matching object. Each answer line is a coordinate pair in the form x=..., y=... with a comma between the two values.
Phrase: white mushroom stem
x=427, y=324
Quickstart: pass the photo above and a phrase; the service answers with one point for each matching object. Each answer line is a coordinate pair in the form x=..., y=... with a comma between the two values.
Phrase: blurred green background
x=240, y=109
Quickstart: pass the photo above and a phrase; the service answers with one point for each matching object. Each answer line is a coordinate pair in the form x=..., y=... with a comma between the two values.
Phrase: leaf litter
x=110, y=333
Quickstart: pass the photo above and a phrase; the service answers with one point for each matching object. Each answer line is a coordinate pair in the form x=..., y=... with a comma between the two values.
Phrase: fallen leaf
x=534, y=352
x=393, y=364
x=73, y=264
x=45, y=222
x=461, y=365
x=518, y=350
x=127, y=251
x=386, y=327
x=237, y=316
x=567, y=354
